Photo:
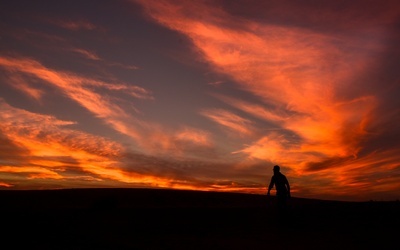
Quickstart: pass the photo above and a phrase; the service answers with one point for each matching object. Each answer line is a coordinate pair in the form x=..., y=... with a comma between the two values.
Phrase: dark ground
x=171, y=219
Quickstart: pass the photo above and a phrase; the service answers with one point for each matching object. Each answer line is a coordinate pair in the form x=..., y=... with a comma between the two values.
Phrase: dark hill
x=173, y=219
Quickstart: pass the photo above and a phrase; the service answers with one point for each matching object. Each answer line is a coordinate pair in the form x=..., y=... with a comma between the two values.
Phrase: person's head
x=276, y=169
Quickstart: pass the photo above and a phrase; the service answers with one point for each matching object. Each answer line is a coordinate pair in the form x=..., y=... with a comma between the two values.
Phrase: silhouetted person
x=282, y=187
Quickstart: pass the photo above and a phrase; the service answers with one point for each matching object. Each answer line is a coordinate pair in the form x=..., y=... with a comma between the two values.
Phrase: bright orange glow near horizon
x=202, y=95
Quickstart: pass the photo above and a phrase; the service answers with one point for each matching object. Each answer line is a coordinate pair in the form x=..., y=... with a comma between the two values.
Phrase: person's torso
x=280, y=183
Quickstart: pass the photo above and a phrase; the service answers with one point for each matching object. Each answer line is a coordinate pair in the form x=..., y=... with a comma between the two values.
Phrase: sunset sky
x=202, y=95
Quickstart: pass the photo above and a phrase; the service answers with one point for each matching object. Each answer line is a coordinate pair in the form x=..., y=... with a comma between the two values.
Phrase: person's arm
x=271, y=185
x=288, y=187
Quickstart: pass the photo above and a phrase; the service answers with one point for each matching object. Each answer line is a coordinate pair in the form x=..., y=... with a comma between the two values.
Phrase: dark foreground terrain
x=170, y=219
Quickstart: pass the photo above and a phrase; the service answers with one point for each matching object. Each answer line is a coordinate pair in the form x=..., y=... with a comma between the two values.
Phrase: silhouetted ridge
x=175, y=219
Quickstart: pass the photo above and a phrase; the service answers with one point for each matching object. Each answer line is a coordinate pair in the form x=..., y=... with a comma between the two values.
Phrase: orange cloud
x=275, y=148
x=54, y=151
x=33, y=172
x=306, y=81
x=229, y=120
x=19, y=83
x=258, y=111
x=47, y=141
x=195, y=136
x=89, y=93
x=80, y=89
x=6, y=185
x=296, y=69
x=183, y=142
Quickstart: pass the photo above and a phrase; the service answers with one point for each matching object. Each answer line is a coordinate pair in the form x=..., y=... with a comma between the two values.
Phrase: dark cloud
x=324, y=16
x=331, y=163
x=10, y=152
x=200, y=173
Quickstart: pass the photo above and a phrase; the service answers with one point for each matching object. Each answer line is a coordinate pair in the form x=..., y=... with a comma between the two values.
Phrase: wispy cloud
x=87, y=54
x=194, y=136
x=49, y=149
x=5, y=185
x=93, y=56
x=83, y=91
x=32, y=172
x=308, y=78
x=75, y=24
x=124, y=66
x=18, y=82
x=230, y=120
x=102, y=99
x=272, y=114
x=298, y=69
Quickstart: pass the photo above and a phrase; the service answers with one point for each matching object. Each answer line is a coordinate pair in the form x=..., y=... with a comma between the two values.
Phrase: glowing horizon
x=202, y=95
